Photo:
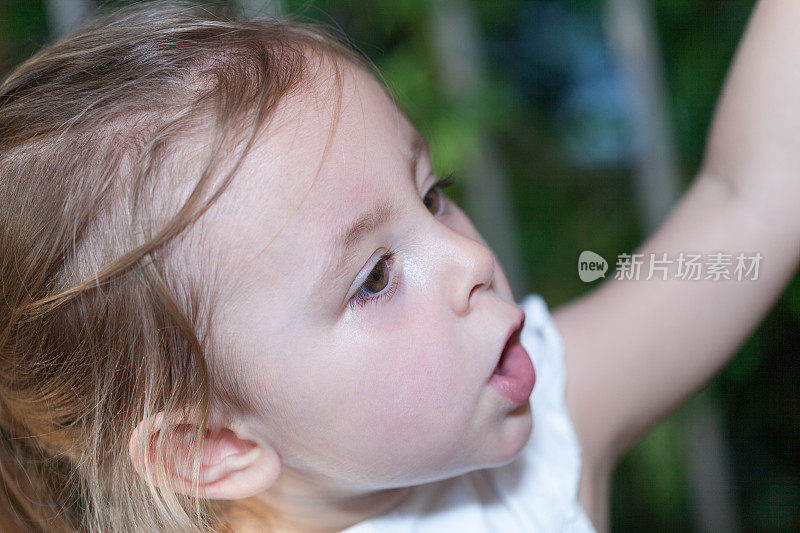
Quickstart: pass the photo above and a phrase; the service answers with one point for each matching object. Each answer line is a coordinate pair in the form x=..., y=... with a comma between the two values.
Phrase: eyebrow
x=373, y=218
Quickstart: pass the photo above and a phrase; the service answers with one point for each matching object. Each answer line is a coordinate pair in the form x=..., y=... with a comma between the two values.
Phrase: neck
x=296, y=504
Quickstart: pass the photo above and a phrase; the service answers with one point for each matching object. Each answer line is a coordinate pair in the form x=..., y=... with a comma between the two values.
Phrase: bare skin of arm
x=635, y=350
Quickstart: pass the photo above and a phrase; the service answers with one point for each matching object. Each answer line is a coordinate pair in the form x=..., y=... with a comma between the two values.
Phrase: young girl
x=235, y=299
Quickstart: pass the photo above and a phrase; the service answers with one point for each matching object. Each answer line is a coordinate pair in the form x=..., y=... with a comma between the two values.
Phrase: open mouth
x=514, y=375
x=503, y=366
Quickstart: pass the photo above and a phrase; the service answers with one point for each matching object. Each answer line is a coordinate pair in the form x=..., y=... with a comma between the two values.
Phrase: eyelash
x=360, y=298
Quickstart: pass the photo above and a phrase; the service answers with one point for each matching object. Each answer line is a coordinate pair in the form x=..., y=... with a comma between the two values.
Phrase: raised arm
x=636, y=349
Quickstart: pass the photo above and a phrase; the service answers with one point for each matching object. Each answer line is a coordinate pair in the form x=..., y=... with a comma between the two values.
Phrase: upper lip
x=513, y=331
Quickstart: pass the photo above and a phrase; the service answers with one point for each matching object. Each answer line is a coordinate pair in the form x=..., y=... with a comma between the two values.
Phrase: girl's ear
x=231, y=466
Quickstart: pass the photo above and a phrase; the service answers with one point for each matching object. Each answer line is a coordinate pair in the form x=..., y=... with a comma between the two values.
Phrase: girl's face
x=367, y=314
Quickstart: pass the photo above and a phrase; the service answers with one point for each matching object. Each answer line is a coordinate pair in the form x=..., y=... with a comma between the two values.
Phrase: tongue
x=507, y=364
x=514, y=375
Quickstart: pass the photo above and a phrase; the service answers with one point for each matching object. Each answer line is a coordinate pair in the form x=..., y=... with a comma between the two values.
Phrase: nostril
x=478, y=286
x=486, y=281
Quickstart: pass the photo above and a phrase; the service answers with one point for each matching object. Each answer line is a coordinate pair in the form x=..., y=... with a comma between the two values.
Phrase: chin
x=515, y=434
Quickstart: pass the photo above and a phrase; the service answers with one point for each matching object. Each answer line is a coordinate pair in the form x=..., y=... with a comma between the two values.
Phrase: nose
x=472, y=269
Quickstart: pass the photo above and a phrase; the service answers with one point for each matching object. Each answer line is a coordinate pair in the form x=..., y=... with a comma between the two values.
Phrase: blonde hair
x=102, y=325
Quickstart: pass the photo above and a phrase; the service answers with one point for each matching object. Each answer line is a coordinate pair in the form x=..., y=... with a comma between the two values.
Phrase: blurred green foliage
x=563, y=206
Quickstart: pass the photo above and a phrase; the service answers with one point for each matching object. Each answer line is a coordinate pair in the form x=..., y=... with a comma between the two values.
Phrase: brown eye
x=374, y=287
x=432, y=200
x=377, y=279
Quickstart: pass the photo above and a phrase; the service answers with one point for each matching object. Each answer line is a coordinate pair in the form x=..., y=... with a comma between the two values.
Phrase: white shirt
x=537, y=492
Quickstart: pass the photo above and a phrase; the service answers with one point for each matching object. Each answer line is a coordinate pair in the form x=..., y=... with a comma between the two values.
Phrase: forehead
x=310, y=171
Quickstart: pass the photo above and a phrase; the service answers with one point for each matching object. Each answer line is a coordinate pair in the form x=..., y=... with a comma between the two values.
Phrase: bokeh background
x=575, y=125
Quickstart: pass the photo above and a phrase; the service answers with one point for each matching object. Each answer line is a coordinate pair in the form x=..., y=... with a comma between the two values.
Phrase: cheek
x=414, y=350
x=425, y=374
x=410, y=422
x=416, y=394
x=386, y=409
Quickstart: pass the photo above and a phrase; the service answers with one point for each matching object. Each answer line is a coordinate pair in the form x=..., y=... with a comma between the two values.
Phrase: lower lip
x=518, y=377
